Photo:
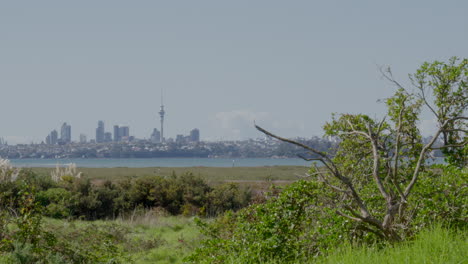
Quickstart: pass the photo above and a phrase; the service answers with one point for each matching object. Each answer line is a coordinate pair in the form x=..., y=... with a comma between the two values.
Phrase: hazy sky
x=222, y=64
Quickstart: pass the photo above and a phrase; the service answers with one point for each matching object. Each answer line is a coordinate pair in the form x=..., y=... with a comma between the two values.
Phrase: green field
x=210, y=174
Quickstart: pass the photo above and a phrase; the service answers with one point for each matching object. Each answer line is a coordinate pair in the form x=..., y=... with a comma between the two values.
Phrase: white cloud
x=239, y=124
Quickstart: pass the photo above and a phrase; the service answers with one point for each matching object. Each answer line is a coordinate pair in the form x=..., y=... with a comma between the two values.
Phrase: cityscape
x=121, y=133
x=121, y=144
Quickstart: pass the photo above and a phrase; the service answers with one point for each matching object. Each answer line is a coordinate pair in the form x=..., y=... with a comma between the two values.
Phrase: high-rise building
x=83, y=138
x=161, y=114
x=195, y=135
x=65, y=133
x=100, y=132
x=54, y=137
x=156, y=136
x=108, y=137
x=116, y=133
x=121, y=133
x=124, y=132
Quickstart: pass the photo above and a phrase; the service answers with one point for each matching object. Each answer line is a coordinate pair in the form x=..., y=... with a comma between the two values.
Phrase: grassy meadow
x=255, y=178
x=211, y=174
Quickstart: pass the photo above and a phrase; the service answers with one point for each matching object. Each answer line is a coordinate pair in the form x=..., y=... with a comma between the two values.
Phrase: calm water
x=161, y=162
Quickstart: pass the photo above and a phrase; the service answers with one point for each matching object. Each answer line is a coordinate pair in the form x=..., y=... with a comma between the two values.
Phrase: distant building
x=53, y=137
x=121, y=133
x=100, y=132
x=108, y=137
x=83, y=138
x=195, y=135
x=156, y=136
x=124, y=132
x=116, y=133
x=65, y=133
x=180, y=139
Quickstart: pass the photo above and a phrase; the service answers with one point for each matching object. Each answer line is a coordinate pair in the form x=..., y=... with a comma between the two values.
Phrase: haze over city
x=221, y=65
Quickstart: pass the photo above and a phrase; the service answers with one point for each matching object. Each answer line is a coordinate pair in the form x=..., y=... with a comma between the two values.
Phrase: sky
x=287, y=65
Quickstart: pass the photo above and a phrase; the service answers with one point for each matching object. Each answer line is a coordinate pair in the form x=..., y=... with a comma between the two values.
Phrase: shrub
x=289, y=227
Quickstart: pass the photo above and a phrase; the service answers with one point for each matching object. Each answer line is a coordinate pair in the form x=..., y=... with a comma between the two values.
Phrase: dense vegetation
x=68, y=196
x=300, y=223
x=27, y=197
x=375, y=187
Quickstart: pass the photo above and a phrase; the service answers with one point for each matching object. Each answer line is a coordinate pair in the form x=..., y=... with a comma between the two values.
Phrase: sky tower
x=161, y=114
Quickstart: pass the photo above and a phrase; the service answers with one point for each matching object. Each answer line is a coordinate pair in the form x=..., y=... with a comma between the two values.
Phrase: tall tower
x=161, y=114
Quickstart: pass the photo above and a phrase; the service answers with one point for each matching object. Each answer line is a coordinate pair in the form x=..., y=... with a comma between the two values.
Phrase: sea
x=161, y=162
x=170, y=162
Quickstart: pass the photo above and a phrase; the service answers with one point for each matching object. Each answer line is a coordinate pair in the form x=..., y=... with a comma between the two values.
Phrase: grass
x=432, y=246
x=437, y=245
x=214, y=174
x=254, y=178
x=146, y=238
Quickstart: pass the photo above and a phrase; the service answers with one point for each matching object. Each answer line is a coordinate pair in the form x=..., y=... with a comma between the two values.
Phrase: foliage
x=226, y=197
x=448, y=83
x=287, y=227
x=24, y=239
x=374, y=188
x=378, y=163
x=441, y=197
x=76, y=197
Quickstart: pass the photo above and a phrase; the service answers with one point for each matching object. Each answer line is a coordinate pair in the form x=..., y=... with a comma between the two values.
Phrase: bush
x=57, y=202
x=226, y=197
x=289, y=227
x=301, y=223
x=442, y=197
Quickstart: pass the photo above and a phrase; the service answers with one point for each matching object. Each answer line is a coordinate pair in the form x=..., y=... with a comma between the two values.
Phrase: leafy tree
x=377, y=163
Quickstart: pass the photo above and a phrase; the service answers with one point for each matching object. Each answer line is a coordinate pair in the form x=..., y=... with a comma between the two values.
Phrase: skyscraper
x=83, y=138
x=54, y=137
x=124, y=132
x=161, y=114
x=65, y=133
x=108, y=137
x=195, y=135
x=116, y=133
x=100, y=132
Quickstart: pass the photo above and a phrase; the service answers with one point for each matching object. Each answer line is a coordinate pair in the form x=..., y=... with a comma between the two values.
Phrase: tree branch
x=418, y=164
x=330, y=166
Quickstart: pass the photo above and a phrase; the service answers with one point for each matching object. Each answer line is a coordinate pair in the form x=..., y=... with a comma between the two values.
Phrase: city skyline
x=120, y=133
x=222, y=65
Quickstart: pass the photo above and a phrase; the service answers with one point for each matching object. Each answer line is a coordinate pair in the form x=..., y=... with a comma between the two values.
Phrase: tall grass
x=436, y=245
x=145, y=237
